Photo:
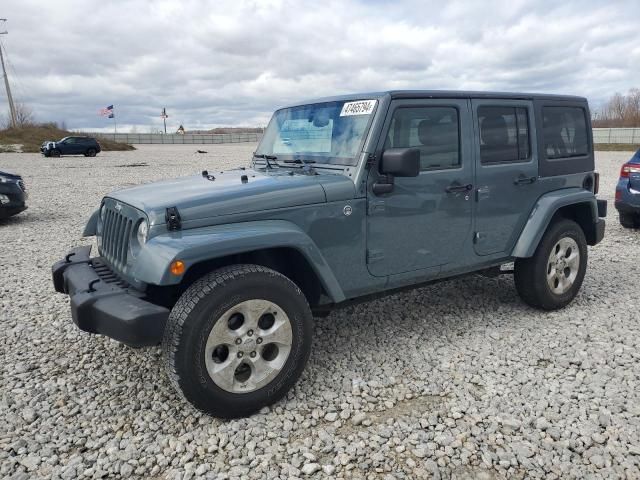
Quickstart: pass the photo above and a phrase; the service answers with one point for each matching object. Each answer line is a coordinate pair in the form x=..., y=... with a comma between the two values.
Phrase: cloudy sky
x=232, y=62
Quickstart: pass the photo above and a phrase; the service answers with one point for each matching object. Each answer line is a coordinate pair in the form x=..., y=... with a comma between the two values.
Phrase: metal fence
x=600, y=135
x=616, y=135
x=174, y=138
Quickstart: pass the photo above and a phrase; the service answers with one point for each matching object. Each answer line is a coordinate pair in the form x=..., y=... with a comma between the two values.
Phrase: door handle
x=525, y=180
x=458, y=188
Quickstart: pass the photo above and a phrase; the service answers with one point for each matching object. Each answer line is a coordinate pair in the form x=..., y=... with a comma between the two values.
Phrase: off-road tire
x=530, y=274
x=90, y=152
x=198, y=310
x=628, y=220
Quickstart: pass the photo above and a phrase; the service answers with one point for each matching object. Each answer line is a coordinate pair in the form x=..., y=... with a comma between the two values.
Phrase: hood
x=197, y=197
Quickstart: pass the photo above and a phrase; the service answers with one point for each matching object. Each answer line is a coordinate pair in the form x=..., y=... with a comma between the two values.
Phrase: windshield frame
x=318, y=159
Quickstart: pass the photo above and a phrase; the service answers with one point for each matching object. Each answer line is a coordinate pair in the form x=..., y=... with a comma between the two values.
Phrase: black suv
x=12, y=194
x=87, y=146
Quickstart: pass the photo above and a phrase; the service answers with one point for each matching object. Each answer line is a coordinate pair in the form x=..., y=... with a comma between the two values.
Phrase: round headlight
x=103, y=212
x=143, y=231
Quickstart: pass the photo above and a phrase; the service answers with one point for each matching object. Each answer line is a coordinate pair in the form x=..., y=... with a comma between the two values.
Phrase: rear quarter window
x=564, y=132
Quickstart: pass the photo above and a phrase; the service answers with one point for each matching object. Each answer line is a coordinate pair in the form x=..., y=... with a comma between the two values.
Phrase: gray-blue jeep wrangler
x=346, y=198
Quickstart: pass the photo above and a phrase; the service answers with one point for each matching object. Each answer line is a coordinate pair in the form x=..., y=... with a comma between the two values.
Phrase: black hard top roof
x=399, y=94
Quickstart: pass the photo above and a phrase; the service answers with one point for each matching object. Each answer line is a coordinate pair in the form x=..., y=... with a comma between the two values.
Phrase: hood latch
x=172, y=218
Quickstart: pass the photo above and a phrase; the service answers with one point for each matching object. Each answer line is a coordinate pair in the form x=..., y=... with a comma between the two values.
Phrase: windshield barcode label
x=361, y=107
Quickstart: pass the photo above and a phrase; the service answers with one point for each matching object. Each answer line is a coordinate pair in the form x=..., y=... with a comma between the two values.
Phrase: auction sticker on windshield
x=361, y=107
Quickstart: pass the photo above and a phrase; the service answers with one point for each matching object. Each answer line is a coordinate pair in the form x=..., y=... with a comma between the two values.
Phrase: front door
x=426, y=220
x=506, y=173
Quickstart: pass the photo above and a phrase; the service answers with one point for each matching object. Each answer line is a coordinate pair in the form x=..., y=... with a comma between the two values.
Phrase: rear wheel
x=628, y=220
x=90, y=152
x=237, y=340
x=552, y=277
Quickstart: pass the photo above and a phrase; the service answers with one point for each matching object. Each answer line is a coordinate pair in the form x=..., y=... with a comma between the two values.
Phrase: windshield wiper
x=266, y=158
x=298, y=160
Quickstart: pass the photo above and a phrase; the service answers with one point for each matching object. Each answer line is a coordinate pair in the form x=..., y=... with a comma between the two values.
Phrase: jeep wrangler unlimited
x=346, y=198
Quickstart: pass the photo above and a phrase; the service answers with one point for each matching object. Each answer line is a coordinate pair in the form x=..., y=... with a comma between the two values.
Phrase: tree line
x=619, y=111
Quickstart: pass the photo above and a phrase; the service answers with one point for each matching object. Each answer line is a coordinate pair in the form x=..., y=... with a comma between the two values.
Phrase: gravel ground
x=456, y=380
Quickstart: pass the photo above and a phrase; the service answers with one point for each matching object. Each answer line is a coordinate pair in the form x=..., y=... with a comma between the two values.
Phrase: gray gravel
x=456, y=380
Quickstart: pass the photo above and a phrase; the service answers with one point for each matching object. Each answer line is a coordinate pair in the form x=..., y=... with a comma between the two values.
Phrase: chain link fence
x=616, y=135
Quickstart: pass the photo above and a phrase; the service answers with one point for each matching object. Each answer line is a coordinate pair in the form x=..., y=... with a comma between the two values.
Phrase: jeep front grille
x=21, y=185
x=116, y=232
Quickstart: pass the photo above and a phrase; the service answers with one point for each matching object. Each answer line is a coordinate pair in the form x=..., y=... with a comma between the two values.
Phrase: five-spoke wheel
x=248, y=346
x=551, y=278
x=238, y=339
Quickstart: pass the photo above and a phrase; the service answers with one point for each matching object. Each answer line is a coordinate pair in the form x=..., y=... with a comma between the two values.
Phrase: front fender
x=543, y=212
x=208, y=243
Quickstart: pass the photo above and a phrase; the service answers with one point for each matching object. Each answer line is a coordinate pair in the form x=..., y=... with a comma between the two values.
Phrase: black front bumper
x=102, y=303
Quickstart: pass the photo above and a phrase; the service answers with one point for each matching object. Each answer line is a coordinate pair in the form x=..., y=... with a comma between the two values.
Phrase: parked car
x=87, y=146
x=628, y=193
x=13, y=194
x=347, y=198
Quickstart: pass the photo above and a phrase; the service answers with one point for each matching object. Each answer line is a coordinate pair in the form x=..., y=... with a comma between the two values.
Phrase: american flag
x=107, y=112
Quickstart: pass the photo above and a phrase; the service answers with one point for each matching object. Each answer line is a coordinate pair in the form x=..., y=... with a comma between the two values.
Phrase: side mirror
x=397, y=162
x=401, y=162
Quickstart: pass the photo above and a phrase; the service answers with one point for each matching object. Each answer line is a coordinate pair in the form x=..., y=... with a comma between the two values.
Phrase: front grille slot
x=22, y=186
x=116, y=233
x=107, y=275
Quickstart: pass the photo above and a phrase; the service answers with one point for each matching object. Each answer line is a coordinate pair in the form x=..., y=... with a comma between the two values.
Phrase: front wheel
x=552, y=277
x=55, y=153
x=237, y=340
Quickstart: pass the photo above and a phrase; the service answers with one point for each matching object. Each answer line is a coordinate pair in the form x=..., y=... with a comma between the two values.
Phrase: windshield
x=330, y=132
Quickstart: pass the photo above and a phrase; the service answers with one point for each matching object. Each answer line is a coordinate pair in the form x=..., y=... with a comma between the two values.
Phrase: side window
x=504, y=134
x=565, y=132
x=435, y=131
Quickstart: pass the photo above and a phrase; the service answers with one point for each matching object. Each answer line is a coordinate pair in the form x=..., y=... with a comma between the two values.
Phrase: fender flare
x=542, y=213
x=90, y=229
x=208, y=243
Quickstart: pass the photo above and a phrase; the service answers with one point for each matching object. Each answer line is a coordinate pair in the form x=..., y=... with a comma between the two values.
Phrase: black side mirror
x=401, y=162
x=397, y=162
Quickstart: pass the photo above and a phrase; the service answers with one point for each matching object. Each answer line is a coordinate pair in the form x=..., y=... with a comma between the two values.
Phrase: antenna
x=12, y=108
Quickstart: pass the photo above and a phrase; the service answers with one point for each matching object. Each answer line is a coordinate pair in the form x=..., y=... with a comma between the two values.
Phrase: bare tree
x=620, y=111
x=24, y=115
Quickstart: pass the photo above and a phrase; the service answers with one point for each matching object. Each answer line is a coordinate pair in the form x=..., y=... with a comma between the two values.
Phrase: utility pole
x=12, y=108
x=164, y=119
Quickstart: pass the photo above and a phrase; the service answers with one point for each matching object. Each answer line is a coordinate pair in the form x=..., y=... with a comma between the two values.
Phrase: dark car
x=628, y=193
x=12, y=194
x=87, y=146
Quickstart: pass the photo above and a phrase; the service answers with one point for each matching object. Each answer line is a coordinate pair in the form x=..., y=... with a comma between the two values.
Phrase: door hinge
x=371, y=159
x=172, y=217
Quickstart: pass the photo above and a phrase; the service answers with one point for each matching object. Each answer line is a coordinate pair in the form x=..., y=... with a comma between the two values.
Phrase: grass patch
x=31, y=137
x=615, y=147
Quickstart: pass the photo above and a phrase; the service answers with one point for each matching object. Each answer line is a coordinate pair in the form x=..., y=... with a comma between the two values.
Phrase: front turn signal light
x=177, y=267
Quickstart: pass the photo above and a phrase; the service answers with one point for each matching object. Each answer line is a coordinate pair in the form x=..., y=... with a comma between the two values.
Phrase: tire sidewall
x=189, y=358
x=562, y=229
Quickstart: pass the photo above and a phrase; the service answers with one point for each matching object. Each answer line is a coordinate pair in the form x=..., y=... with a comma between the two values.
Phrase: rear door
x=506, y=172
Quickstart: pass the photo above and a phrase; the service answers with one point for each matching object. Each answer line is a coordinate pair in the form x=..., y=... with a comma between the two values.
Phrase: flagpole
x=115, y=127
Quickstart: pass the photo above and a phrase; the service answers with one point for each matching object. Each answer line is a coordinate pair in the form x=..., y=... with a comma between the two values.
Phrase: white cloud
x=232, y=62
